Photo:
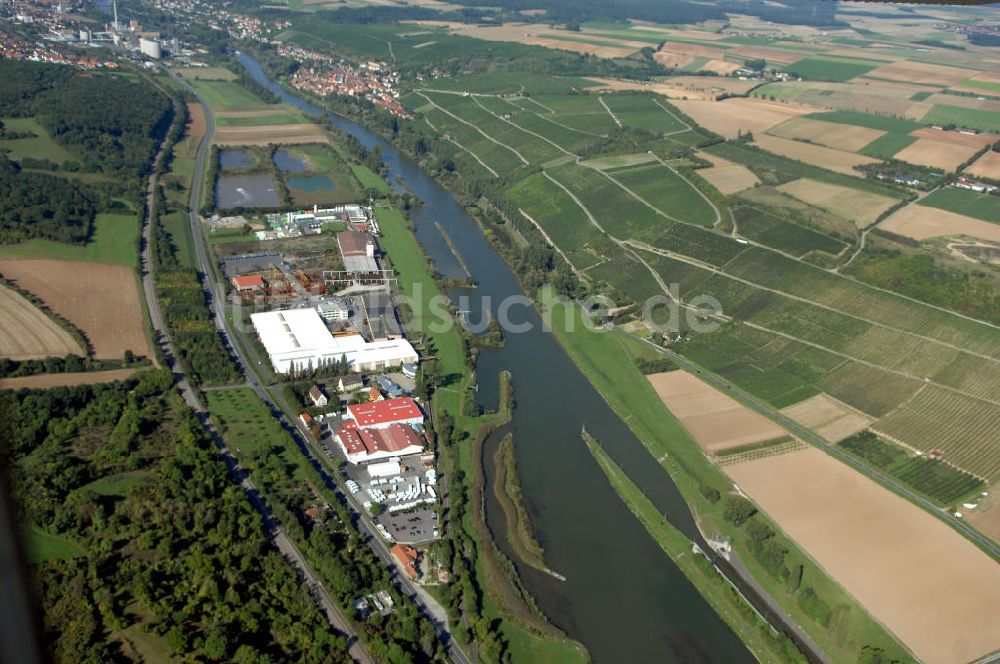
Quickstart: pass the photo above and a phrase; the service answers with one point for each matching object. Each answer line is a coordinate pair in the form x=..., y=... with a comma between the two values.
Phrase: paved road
x=430, y=608
x=190, y=395
x=983, y=542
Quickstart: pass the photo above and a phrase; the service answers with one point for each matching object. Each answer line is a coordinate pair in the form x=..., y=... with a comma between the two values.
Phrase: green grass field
x=43, y=546
x=117, y=485
x=776, y=232
x=972, y=118
x=988, y=86
x=221, y=95
x=561, y=219
x=369, y=179
x=41, y=146
x=322, y=160
x=287, y=117
x=980, y=206
x=249, y=427
x=643, y=112
x=827, y=68
x=115, y=241
x=206, y=73
x=884, y=123
x=886, y=146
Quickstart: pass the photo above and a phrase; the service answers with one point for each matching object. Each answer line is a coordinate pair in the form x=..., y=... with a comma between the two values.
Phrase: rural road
x=983, y=542
x=190, y=395
x=431, y=609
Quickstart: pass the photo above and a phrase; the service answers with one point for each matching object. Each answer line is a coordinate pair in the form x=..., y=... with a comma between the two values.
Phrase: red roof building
x=381, y=414
x=366, y=445
x=375, y=395
x=407, y=557
x=248, y=282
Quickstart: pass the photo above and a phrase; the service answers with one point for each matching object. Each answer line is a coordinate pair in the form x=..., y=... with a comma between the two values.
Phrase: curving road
x=215, y=296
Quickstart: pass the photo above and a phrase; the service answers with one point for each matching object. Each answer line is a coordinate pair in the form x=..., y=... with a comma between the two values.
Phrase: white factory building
x=298, y=339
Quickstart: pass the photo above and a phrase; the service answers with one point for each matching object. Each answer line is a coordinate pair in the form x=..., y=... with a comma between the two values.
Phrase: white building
x=298, y=339
x=150, y=47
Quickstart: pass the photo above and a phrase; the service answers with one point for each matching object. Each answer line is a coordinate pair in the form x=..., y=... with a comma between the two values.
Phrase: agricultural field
x=114, y=241
x=644, y=112
x=987, y=166
x=827, y=68
x=969, y=203
x=920, y=222
x=103, y=301
x=860, y=207
x=731, y=117
x=943, y=155
x=223, y=95
x=833, y=135
x=829, y=418
x=832, y=512
x=919, y=72
x=726, y=176
x=67, y=379
x=283, y=134
x=205, y=73
x=778, y=233
x=264, y=117
x=944, y=114
x=716, y=421
x=27, y=333
x=667, y=191
x=815, y=155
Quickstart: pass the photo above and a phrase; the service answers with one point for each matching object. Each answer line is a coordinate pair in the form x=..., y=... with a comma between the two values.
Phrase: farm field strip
x=500, y=158
x=665, y=187
x=522, y=128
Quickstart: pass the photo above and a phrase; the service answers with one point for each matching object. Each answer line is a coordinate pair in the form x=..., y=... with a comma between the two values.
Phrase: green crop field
x=972, y=118
x=41, y=146
x=115, y=240
x=886, y=146
x=288, y=117
x=640, y=111
x=827, y=68
x=766, y=228
x=222, y=95
x=668, y=192
x=501, y=159
x=938, y=481
x=884, y=123
x=981, y=85
x=978, y=205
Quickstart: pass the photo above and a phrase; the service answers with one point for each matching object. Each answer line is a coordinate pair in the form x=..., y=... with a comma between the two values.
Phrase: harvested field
x=727, y=176
x=860, y=207
x=196, y=120
x=830, y=134
x=931, y=587
x=266, y=134
x=986, y=517
x=976, y=141
x=731, y=116
x=533, y=34
x=672, y=60
x=834, y=160
x=27, y=333
x=987, y=166
x=920, y=72
x=695, y=50
x=720, y=67
x=920, y=223
x=45, y=381
x=776, y=55
x=673, y=87
x=936, y=154
x=828, y=417
x=715, y=420
x=101, y=300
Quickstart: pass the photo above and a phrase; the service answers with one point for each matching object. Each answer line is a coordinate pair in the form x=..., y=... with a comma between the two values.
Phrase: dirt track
x=101, y=300
x=27, y=333
x=929, y=585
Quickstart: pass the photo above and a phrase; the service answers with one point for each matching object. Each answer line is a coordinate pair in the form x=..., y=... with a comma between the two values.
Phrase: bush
x=711, y=493
x=815, y=607
x=758, y=530
x=737, y=510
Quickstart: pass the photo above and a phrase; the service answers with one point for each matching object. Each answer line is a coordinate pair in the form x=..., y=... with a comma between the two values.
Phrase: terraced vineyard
x=789, y=329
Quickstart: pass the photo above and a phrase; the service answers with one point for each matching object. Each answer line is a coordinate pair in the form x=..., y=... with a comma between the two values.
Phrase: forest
x=110, y=123
x=157, y=545
x=38, y=205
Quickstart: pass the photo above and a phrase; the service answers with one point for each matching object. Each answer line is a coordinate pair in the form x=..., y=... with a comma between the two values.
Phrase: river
x=623, y=598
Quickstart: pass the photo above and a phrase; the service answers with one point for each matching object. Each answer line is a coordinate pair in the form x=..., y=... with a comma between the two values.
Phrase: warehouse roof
x=396, y=439
x=382, y=412
x=353, y=243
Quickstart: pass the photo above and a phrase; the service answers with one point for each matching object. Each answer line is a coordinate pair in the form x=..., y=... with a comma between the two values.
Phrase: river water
x=623, y=598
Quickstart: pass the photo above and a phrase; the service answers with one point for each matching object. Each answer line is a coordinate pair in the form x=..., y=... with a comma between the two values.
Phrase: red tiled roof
x=406, y=555
x=395, y=438
x=248, y=281
x=384, y=412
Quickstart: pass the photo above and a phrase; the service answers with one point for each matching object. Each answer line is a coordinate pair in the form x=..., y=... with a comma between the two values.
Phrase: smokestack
x=114, y=4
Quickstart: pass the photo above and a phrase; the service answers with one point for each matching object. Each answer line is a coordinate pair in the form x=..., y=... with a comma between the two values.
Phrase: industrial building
x=383, y=414
x=358, y=251
x=370, y=445
x=299, y=340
